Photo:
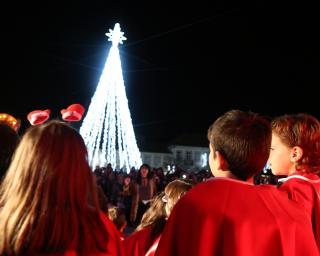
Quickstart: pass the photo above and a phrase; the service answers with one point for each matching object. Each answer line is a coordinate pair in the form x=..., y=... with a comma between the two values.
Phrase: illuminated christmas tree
x=107, y=128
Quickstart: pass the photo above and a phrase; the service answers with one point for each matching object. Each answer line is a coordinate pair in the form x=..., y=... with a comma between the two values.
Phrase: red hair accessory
x=38, y=116
x=73, y=113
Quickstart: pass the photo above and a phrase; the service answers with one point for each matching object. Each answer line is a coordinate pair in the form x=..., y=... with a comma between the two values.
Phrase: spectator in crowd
x=8, y=141
x=144, y=190
x=116, y=189
x=48, y=200
x=295, y=152
x=146, y=238
x=160, y=178
x=227, y=215
x=126, y=196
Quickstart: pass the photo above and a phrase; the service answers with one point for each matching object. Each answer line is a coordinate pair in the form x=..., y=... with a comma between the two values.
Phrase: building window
x=189, y=155
x=197, y=156
x=179, y=155
x=157, y=161
x=146, y=159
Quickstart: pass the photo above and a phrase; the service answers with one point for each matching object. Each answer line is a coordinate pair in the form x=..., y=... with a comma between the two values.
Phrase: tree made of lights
x=107, y=127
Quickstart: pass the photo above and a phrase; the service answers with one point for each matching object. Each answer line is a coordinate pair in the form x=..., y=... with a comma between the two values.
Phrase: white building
x=188, y=151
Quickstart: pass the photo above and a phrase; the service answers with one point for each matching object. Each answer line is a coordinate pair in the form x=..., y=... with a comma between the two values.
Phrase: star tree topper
x=115, y=35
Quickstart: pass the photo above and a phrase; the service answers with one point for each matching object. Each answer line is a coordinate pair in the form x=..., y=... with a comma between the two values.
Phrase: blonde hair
x=156, y=214
x=174, y=190
x=117, y=216
x=48, y=201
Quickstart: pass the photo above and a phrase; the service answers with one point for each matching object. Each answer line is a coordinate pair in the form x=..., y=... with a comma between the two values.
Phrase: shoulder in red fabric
x=304, y=189
x=228, y=217
x=138, y=243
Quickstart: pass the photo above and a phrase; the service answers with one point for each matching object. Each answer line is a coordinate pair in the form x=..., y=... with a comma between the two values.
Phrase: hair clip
x=165, y=199
x=73, y=113
x=38, y=116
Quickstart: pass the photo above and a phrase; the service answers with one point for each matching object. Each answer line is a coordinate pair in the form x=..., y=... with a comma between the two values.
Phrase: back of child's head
x=154, y=213
x=155, y=216
x=301, y=130
x=54, y=205
x=173, y=191
x=243, y=139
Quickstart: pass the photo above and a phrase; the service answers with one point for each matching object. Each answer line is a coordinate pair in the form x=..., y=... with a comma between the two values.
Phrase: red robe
x=138, y=243
x=153, y=247
x=228, y=217
x=305, y=190
x=114, y=245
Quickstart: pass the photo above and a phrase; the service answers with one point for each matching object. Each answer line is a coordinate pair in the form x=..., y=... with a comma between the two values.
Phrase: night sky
x=182, y=67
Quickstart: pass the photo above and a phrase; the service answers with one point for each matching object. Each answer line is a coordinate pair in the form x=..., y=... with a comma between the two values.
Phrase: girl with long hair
x=48, y=200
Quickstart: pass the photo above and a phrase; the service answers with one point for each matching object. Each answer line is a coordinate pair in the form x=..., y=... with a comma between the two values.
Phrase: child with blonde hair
x=146, y=238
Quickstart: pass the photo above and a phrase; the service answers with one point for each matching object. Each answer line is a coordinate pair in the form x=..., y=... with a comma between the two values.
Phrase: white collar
x=299, y=177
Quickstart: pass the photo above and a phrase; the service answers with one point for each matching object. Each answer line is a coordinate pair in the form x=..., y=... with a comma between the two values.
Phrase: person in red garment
x=144, y=241
x=295, y=152
x=48, y=200
x=227, y=215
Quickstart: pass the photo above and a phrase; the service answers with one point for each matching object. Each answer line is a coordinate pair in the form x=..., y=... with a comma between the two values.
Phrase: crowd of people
x=53, y=203
x=132, y=193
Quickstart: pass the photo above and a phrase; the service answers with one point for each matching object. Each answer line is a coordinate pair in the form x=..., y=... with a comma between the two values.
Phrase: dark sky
x=182, y=67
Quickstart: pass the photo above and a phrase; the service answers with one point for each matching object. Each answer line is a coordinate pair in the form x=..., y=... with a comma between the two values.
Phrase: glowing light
x=266, y=168
x=204, y=160
x=107, y=128
x=10, y=120
x=115, y=35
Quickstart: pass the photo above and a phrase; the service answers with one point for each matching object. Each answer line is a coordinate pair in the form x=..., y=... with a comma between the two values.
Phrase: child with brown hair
x=227, y=215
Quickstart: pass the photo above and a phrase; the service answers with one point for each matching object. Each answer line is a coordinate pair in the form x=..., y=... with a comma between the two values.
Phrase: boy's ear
x=221, y=162
x=296, y=154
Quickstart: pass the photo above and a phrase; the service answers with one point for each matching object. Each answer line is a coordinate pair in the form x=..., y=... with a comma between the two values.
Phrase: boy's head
x=239, y=144
x=295, y=144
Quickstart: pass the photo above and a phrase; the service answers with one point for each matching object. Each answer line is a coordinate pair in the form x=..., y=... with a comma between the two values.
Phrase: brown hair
x=301, y=130
x=48, y=201
x=243, y=139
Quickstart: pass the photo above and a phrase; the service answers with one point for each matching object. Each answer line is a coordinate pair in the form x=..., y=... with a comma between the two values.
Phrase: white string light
x=107, y=128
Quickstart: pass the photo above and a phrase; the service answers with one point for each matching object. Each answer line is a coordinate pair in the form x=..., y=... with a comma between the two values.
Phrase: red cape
x=228, y=217
x=114, y=245
x=138, y=243
x=304, y=189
